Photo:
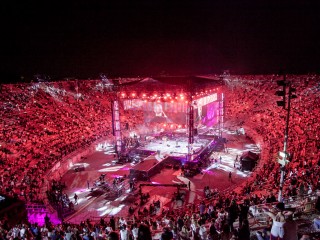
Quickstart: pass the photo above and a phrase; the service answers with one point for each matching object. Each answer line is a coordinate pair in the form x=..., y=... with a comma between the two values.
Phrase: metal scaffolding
x=221, y=114
x=191, y=130
x=116, y=126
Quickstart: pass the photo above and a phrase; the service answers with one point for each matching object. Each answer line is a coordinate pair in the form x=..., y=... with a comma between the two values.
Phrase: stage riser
x=145, y=175
x=139, y=172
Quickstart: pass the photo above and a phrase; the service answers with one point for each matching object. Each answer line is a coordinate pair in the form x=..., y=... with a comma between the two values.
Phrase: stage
x=164, y=151
x=173, y=147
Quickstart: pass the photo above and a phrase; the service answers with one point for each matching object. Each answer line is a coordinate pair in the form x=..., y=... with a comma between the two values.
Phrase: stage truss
x=191, y=90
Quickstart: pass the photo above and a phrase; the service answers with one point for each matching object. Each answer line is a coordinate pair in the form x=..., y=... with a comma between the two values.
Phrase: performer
x=160, y=116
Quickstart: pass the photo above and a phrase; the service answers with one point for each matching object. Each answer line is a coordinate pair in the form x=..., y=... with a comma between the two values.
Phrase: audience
x=44, y=122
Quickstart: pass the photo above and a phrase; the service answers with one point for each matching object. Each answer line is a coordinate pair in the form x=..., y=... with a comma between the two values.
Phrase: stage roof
x=172, y=83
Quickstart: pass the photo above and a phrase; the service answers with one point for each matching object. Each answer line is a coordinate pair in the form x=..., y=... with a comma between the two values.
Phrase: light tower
x=287, y=95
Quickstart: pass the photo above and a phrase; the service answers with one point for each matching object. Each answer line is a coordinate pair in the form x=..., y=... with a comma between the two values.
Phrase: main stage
x=168, y=105
x=173, y=147
x=164, y=152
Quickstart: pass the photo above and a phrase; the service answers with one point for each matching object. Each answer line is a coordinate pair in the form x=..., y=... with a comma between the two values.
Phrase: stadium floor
x=96, y=204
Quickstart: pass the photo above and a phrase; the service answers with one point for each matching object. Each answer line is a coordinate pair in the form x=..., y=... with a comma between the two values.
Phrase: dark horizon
x=150, y=38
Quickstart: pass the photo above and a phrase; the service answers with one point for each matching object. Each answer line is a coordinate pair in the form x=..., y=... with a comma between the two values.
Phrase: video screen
x=208, y=114
x=159, y=112
x=205, y=112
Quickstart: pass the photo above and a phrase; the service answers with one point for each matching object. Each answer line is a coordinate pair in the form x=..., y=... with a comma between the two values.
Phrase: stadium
x=166, y=152
x=164, y=120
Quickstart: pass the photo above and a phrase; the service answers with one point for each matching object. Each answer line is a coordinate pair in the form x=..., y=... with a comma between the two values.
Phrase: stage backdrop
x=205, y=110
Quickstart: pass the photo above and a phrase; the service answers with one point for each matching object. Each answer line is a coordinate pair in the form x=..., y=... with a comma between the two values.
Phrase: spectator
x=316, y=223
x=167, y=234
x=277, y=229
x=290, y=228
x=244, y=230
x=124, y=233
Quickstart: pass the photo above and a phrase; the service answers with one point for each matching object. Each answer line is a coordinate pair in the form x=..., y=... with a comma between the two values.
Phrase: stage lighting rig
x=282, y=93
x=286, y=89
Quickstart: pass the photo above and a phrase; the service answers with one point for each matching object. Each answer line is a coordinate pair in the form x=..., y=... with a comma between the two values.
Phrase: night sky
x=148, y=38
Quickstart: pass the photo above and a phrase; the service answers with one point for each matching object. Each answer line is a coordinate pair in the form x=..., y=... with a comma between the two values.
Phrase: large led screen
x=208, y=114
x=159, y=112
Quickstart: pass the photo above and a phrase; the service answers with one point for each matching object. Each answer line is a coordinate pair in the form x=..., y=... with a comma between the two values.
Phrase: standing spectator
x=244, y=209
x=180, y=223
x=184, y=233
x=47, y=220
x=316, y=223
x=144, y=232
x=290, y=228
x=244, y=230
x=202, y=208
x=167, y=234
x=124, y=233
x=225, y=234
x=68, y=234
x=75, y=199
x=213, y=231
x=135, y=230
x=277, y=230
x=112, y=223
x=203, y=232
x=232, y=214
x=108, y=229
x=23, y=231
x=122, y=222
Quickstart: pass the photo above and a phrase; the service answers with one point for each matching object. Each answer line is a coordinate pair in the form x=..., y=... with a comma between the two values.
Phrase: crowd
x=38, y=115
x=43, y=122
x=253, y=106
